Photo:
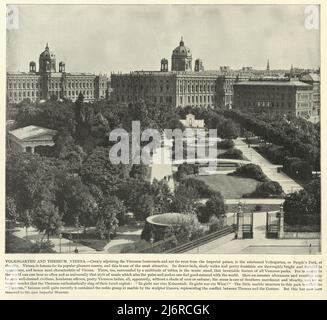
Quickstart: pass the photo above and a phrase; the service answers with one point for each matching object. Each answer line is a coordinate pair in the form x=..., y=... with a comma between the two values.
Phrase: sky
x=124, y=38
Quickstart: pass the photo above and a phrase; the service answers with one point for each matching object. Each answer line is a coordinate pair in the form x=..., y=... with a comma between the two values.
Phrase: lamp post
x=281, y=222
x=151, y=241
x=60, y=236
x=240, y=221
x=69, y=243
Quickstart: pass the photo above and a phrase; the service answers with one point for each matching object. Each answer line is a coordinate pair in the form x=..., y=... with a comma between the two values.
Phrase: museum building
x=48, y=83
x=182, y=86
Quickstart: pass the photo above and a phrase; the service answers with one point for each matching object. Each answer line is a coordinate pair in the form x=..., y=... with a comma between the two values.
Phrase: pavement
x=270, y=170
x=161, y=166
x=250, y=201
x=125, y=235
x=260, y=244
x=62, y=245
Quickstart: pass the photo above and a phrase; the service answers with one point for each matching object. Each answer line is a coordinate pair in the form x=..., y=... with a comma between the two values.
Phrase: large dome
x=182, y=50
x=47, y=54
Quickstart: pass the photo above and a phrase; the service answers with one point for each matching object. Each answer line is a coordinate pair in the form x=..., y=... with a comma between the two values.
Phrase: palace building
x=282, y=96
x=48, y=83
x=182, y=86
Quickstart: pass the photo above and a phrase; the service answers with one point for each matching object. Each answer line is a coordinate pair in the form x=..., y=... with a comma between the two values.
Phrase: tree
x=67, y=149
x=26, y=218
x=30, y=179
x=97, y=169
x=11, y=209
x=46, y=219
x=76, y=203
x=107, y=220
x=145, y=207
x=214, y=207
x=185, y=199
x=303, y=207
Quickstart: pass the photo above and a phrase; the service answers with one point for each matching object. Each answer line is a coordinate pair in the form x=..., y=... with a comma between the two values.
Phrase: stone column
x=240, y=221
x=281, y=223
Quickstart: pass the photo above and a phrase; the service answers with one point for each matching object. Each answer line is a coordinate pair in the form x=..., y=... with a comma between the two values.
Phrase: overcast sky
x=105, y=38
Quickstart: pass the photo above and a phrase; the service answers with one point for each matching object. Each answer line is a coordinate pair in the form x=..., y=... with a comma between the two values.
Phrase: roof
x=182, y=50
x=311, y=77
x=272, y=83
x=30, y=132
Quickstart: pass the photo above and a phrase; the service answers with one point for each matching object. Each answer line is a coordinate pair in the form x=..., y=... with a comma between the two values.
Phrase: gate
x=247, y=226
x=272, y=225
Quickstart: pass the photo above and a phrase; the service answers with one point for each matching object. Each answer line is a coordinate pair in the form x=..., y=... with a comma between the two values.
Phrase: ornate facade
x=179, y=87
x=48, y=83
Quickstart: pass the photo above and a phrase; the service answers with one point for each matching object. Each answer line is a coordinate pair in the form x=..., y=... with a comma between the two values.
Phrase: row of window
x=196, y=88
x=32, y=94
x=197, y=99
x=23, y=94
x=53, y=85
x=265, y=104
x=160, y=99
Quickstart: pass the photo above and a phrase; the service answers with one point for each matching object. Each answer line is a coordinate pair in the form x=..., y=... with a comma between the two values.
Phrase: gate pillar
x=281, y=223
x=240, y=221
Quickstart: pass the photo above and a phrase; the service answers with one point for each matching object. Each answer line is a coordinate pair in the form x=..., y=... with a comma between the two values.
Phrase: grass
x=17, y=245
x=89, y=239
x=97, y=244
x=229, y=186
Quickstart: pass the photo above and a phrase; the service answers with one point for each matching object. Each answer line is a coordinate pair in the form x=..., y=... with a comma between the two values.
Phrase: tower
x=268, y=67
x=47, y=61
x=181, y=59
x=32, y=67
x=62, y=66
x=198, y=65
x=164, y=65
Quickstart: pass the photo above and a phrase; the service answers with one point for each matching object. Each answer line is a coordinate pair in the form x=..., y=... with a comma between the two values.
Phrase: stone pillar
x=240, y=221
x=281, y=223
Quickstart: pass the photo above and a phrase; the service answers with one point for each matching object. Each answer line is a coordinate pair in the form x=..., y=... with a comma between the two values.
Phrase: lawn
x=17, y=245
x=230, y=187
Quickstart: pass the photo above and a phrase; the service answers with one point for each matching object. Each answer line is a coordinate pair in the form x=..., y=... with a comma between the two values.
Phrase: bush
x=42, y=246
x=276, y=154
x=136, y=247
x=303, y=207
x=297, y=168
x=186, y=169
x=231, y=153
x=225, y=144
x=216, y=223
x=250, y=171
x=268, y=189
x=201, y=188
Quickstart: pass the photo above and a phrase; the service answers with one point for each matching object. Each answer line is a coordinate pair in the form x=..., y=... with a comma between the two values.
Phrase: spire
x=268, y=67
x=47, y=47
x=181, y=42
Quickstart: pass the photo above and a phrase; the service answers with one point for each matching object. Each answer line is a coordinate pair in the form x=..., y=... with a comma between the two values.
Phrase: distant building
x=314, y=80
x=26, y=139
x=179, y=87
x=191, y=122
x=47, y=83
x=275, y=96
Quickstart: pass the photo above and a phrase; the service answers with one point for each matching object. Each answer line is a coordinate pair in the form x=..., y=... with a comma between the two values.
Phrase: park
x=82, y=203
